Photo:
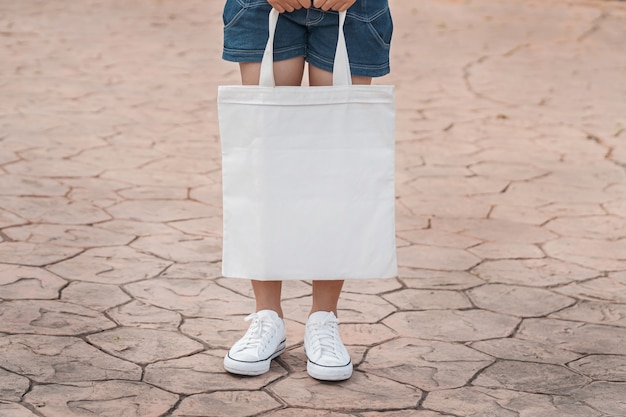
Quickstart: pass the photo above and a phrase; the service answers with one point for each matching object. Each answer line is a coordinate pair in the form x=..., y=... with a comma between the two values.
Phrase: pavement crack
x=595, y=26
x=467, y=74
x=64, y=259
x=515, y=50
x=96, y=406
x=5, y=238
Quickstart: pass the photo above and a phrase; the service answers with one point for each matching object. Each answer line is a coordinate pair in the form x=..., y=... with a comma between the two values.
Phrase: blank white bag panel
x=308, y=182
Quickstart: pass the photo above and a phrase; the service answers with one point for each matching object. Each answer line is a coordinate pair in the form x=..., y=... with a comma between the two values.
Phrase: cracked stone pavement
x=511, y=214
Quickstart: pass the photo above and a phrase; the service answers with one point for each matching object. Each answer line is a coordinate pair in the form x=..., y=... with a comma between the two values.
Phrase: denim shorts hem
x=355, y=69
x=238, y=55
x=315, y=60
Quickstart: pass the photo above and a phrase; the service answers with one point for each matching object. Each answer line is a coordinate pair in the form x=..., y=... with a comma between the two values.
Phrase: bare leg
x=267, y=295
x=326, y=293
x=288, y=72
x=319, y=77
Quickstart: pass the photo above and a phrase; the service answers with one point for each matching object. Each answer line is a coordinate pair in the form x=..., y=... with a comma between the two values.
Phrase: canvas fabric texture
x=308, y=177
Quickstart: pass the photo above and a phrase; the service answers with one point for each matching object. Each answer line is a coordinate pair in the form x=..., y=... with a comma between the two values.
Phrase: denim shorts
x=311, y=33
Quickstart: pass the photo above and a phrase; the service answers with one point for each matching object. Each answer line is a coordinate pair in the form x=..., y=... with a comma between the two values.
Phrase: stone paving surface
x=511, y=214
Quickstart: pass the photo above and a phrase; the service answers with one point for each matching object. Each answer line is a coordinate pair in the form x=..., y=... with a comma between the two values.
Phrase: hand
x=289, y=5
x=337, y=5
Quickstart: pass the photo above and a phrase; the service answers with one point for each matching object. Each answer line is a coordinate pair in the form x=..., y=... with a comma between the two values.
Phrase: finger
x=276, y=5
x=305, y=3
x=338, y=5
x=284, y=5
x=328, y=5
x=345, y=6
x=295, y=5
x=319, y=3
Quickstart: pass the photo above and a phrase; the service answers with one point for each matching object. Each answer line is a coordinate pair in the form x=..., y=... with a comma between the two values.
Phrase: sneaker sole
x=252, y=368
x=327, y=373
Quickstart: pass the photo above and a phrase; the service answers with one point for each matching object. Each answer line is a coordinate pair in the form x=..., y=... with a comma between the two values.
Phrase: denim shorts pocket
x=381, y=26
x=234, y=9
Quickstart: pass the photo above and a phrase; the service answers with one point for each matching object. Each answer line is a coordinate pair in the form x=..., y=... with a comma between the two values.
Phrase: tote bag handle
x=341, y=66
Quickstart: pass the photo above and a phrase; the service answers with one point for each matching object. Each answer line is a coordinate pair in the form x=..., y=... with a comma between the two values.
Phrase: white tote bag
x=308, y=177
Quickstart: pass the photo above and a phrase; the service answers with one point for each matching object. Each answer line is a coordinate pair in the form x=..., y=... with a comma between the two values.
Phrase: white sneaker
x=327, y=357
x=264, y=340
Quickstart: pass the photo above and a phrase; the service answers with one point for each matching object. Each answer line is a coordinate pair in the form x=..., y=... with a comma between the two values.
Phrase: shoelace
x=258, y=328
x=325, y=334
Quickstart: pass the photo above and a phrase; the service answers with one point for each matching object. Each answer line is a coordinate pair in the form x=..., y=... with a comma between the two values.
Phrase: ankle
x=278, y=310
x=326, y=310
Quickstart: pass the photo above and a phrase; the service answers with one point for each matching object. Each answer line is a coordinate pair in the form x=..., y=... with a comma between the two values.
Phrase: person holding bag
x=286, y=233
